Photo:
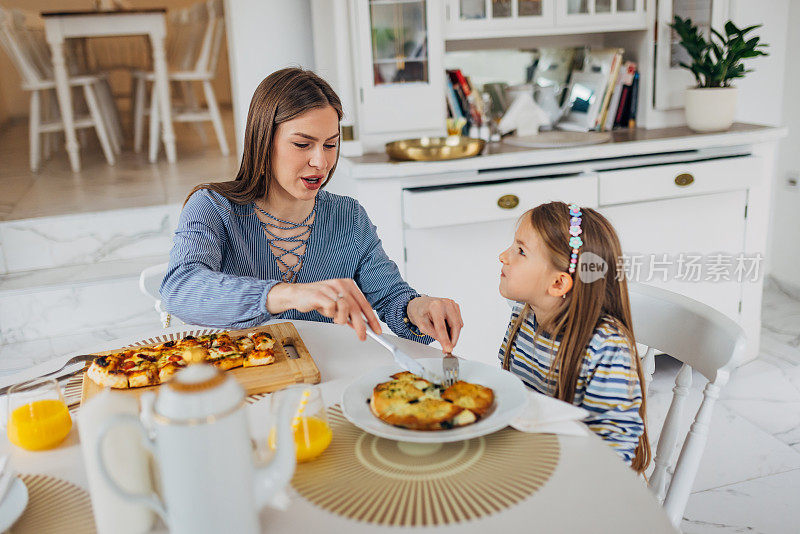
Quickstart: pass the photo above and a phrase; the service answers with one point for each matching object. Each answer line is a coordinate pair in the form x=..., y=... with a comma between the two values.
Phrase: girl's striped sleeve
x=613, y=395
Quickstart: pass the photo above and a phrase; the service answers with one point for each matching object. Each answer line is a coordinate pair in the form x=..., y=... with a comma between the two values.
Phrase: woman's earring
x=564, y=296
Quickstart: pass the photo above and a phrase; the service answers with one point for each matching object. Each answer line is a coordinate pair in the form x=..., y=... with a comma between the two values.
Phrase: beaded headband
x=574, y=230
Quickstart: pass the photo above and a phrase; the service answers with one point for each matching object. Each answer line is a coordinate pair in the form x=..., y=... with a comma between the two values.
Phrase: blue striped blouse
x=608, y=385
x=221, y=269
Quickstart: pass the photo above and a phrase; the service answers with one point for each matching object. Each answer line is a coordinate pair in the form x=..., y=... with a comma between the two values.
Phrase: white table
x=591, y=490
x=62, y=25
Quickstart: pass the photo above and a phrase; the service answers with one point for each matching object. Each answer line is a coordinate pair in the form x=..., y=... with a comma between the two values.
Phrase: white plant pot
x=710, y=109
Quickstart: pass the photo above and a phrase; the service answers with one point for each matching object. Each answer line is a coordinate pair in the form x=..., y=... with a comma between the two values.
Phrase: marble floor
x=132, y=182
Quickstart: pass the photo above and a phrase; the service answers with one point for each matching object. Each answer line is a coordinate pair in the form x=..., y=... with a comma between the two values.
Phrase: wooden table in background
x=62, y=25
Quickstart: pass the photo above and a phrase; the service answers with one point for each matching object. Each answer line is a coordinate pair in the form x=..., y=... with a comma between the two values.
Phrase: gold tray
x=435, y=148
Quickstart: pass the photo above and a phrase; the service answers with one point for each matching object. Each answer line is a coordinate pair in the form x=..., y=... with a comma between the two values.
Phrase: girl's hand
x=340, y=299
x=440, y=318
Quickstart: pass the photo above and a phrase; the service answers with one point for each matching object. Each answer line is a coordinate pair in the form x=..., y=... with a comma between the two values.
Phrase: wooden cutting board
x=285, y=370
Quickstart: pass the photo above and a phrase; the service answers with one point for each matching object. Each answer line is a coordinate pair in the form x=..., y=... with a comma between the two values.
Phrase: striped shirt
x=221, y=269
x=608, y=385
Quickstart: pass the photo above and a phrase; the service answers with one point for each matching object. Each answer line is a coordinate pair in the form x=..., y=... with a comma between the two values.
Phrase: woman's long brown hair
x=282, y=96
x=586, y=305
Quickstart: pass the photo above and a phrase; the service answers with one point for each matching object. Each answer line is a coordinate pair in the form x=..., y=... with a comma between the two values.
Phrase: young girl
x=570, y=333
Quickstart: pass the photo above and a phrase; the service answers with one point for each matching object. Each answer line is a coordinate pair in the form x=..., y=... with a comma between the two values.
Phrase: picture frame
x=584, y=101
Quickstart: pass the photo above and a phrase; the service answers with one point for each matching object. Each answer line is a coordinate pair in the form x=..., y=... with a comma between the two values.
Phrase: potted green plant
x=716, y=62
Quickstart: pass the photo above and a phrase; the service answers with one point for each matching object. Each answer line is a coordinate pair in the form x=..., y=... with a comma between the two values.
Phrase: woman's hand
x=440, y=318
x=339, y=299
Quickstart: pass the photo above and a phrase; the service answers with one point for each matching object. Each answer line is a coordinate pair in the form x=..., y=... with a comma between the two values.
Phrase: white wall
x=758, y=89
x=785, y=255
x=264, y=36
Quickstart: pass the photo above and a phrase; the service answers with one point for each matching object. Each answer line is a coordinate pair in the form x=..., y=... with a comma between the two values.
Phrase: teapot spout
x=271, y=479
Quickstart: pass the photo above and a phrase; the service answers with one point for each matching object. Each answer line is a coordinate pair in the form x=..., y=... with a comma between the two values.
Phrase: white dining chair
x=149, y=283
x=702, y=339
x=194, y=50
x=30, y=57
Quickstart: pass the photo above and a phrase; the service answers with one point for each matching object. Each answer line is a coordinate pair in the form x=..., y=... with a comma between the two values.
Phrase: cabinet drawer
x=466, y=204
x=678, y=180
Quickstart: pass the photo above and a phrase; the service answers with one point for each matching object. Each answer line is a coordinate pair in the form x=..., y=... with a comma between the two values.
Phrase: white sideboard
x=693, y=207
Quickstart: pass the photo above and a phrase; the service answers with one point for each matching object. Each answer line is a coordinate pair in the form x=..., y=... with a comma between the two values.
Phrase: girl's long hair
x=586, y=305
x=282, y=96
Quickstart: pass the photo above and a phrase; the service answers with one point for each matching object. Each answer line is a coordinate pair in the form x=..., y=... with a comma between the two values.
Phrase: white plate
x=559, y=139
x=509, y=393
x=14, y=504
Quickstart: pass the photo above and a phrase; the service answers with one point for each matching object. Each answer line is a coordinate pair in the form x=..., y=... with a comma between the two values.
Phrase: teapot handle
x=150, y=500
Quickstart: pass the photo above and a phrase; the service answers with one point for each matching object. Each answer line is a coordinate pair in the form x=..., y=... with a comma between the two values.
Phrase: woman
x=273, y=244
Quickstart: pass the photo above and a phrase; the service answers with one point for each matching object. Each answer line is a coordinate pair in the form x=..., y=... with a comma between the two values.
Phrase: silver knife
x=404, y=360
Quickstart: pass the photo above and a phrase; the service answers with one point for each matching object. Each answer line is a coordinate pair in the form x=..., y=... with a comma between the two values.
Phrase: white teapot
x=201, y=442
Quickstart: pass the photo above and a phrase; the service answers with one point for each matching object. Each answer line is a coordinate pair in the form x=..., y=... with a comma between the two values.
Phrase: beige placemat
x=385, y=482
x=54, y=506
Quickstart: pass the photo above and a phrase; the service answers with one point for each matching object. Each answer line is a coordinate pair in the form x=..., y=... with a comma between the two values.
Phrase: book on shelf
x=468, y=99
x=625, y=76
x=634, y=101
x=613, y=74
x=453, y=106
x=625, y=103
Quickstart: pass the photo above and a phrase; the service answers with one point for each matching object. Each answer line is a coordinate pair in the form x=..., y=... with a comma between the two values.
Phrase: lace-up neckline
x=296, y=241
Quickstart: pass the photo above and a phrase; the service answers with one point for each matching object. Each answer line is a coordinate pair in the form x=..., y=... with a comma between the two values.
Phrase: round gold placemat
x=386, y=482
x=55, y=506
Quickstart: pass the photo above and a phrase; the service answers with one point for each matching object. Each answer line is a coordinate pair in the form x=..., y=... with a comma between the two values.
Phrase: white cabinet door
x=671, y=78
x=461, y=262
x=601, y=15
x=400, y=65
x=708, y=226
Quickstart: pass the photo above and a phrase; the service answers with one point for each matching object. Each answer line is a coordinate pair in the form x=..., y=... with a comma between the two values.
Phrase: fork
x=73, y=360
x=450, y=369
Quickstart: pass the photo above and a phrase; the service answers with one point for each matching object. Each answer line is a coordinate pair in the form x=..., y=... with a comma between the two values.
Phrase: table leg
x=162, y=88
x=65, y=101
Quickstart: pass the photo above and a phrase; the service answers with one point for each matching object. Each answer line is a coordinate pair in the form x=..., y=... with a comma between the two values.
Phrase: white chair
x=702, y=339
x=193, y=53
x=31, y=58
x=150, y=283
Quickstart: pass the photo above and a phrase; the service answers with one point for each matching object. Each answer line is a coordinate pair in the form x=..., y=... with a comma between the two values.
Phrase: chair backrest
x=702, y=339
x=208, y=55
x=18, y=45
x=150, y=283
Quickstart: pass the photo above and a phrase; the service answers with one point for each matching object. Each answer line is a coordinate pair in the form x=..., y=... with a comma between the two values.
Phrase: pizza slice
x=168, y=364
x=192, y=349
x=141, y=369
x=262, y=353
x=224, y=353
x=259, y=357
x=105, y=371
x=262, y=340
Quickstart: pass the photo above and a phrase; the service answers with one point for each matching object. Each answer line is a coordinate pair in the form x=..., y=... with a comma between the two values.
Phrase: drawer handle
x=508, y=202
x=682, y=180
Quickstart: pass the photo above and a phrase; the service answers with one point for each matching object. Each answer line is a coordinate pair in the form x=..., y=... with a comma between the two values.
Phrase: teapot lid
x=196, y=378
x=199, y=391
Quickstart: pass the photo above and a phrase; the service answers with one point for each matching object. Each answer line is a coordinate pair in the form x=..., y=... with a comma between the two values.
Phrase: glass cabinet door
x=585, y=7
x=671, y=79
x=399, y=41
x=700, y=13
x=471, y=19
x=399, y=49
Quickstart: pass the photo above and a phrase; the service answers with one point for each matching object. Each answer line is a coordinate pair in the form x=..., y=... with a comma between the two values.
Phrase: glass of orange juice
x=312, y=431
x=38, y=417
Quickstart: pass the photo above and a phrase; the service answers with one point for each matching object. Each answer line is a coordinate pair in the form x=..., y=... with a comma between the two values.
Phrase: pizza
x=409, y=401
x=150, y=366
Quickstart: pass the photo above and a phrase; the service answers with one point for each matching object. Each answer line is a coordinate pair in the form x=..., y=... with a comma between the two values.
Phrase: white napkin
x=546, y=415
